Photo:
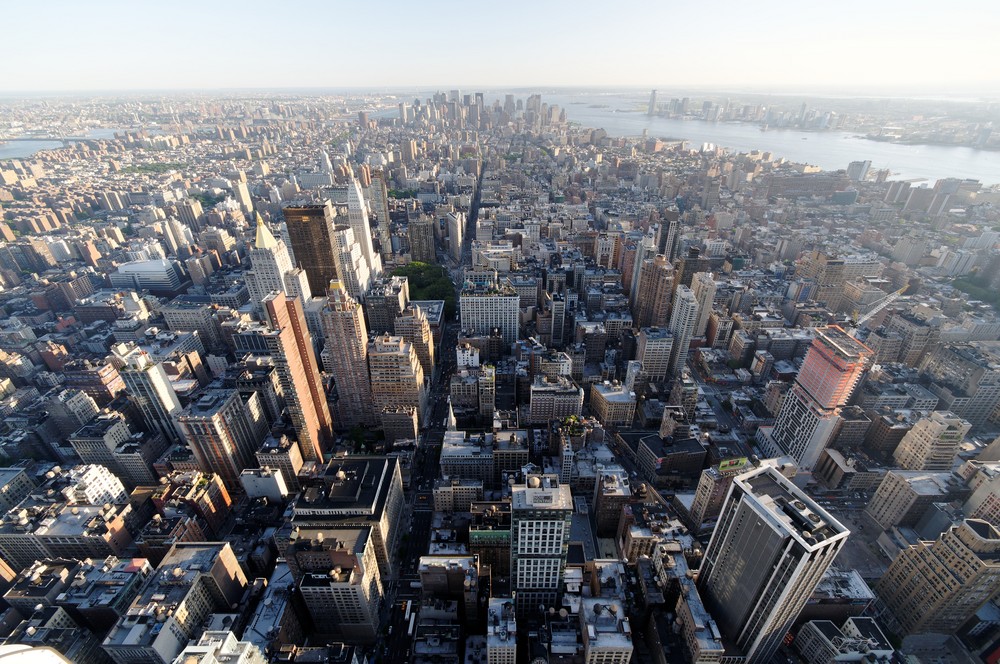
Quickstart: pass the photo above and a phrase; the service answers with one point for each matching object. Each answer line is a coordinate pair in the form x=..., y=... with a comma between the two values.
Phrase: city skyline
x=886, y=49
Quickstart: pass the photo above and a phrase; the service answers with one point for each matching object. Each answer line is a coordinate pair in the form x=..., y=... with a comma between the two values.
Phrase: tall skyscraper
x=396, y=374
x=421, y=233
x=683, y=317
x=651, y=297
x=456, y=234
x=703, y=287
x=378, y=194
x=149, y=388
x=290, y=346
x=810, y=413
x=767, y=554
x=310, y=229
x=651, y=109
x=345, y=357
x=541, y=513
x=413, y=326
x=271, y=268
x=932, y=443
x=937, y=586
x=352, y=267
x=224, y=433
x=357, y=216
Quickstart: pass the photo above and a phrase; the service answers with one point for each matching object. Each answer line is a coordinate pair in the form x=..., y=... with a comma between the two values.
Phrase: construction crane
x=879, y=306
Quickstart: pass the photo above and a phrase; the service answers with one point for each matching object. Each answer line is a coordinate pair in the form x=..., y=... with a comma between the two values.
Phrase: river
x=25, y=149
x=828, y=150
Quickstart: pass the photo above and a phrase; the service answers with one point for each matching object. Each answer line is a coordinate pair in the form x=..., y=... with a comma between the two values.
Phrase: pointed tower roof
x=265, y=239
x=452, y=422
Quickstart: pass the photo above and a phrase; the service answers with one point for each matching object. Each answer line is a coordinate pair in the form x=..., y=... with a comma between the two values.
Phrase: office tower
x=651, y=297
x=357, y=216
x=378, y=194
x=456, y=234
x=150, y=390
x=224, y=433
x=413, y=326
x=421, y=234
x=554, y=398
x=683, y=317
x=810, y=413
x=310, y=230
x=710, y=495
x=937, y=586
x=271, y=268
x=492, y=306
x=345, y=357
x=101, y=381
x=830, y=274
x=194, y=580
x=386, y=300
x=767, y=554
x=291, y=348
x=645, y=250
x=669, y=235
x=903, y=496
x=653, y=350
x=703, y=287
x=932, y=443
x=95, y=442
x=352, y=268
x=541, y=513
x=396, y=375
x=340, y=583
x=651, y=109
x=857, y=170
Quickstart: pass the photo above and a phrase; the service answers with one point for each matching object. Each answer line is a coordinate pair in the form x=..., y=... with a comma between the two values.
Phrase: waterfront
x=25, y=149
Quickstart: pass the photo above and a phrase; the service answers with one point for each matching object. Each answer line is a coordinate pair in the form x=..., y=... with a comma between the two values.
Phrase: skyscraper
x=397, y=377
x=352, y=267
x=810, y=413
x=357, y=216
x=378, y=194
x=937, y=586
x=224, y=433
x=703, y=287
x=456, y=234
x=149, y=388
x=413, y=326
x=310, y=229
x=651, y=109
x=421, y=233
x=932, y=443
x=345, y=357
x=651, y=297
x=767, y=554
x=271, y=268
x=683, y=316
x=291, y=347
x=541, y=513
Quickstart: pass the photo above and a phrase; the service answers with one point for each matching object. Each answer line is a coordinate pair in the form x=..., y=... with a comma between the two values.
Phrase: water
x=828, y=150
x=25, y=149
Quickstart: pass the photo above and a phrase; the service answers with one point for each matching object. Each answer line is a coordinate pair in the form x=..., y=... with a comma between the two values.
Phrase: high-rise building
x=150, y=390
x=501, y=632
x=494, y=306
x=271, y=268
x=966, y=379
x=352, y=268
x=703, y=287
x=386, y=300
x=378, y=195
x=357, y=215
x=193, y=580
x=291, y=348
x=711, y=492
x=396, y=375
x=541, y=513
x=651, y=296
x=683, y=317
x=653, y=351
x=937, y=586
x=310, y=230
x=224, y=433
x=413, y=326
x=810, y=413
x=345, y=357
x=767, y=554
x=651, y=109
x=456, y=234
x=689, y=265
x=932, y=443
x=421, y=234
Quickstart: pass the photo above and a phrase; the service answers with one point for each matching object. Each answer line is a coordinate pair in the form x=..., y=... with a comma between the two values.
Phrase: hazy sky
x=766, y=45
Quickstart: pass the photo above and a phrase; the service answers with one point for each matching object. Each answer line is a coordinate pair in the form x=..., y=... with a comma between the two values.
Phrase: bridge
x=33, y=139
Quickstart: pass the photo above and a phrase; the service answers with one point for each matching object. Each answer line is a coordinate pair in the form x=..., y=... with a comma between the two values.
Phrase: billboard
x=730, y=465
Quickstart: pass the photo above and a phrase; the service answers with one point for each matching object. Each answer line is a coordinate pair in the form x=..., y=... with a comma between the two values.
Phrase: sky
x=881, y=45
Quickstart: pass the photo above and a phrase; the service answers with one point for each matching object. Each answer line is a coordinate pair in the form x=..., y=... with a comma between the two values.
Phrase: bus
x=409, y=609
x=413, y=622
